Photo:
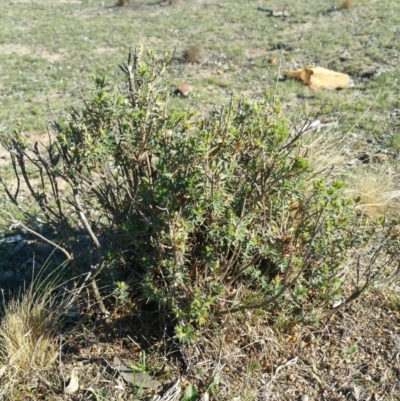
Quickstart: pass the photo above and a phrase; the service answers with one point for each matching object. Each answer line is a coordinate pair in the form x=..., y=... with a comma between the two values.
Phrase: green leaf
x=191, y=393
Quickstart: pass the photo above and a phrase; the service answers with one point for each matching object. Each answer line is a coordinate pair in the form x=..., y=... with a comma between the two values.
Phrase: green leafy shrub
x=213, y=215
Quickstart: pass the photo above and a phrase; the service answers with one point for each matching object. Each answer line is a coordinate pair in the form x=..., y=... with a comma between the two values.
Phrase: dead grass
x=374, y=190
x=232, y=356
x=28, y=347
x=322, y=151
x=252, y=361
x=194, y=54
x=346, y=4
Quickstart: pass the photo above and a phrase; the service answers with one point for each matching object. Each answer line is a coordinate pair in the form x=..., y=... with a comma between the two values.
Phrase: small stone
x=183, y=90
x=367, y=158
x=280, y=12
x=205, y=397
x=72, y=384
x=276, y=12
x=137, y=379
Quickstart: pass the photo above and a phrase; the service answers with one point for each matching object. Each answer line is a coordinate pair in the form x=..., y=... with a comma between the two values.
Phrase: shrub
x=212, y=215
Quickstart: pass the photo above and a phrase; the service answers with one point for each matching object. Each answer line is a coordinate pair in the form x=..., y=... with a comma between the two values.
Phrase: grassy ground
x=50, y=49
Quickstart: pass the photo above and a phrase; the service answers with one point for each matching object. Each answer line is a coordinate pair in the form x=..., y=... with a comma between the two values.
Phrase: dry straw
x=28, y=332
x=375, y=191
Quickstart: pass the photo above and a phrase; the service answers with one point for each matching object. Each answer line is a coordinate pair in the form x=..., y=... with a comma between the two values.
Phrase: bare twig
x=25, y=227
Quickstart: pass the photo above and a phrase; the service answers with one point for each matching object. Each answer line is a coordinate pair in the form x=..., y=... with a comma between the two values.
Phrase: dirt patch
x=23, y=50
x=19, y=50
x=253, y=52
x=105, y=50
x=52, y=57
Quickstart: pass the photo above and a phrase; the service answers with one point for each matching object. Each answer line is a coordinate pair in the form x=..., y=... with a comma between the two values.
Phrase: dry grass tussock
x=322, y=151
x=375, y=191
x=28, y=330
x=194, y=54
x=346, y=4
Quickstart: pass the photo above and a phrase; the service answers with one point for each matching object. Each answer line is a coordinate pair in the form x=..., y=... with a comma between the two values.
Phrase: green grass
x=59, y=46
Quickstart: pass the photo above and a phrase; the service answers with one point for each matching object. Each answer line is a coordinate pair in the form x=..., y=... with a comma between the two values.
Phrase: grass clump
x=375, y=191
x=28, y=339
x=194, y=54
x=346, y=4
